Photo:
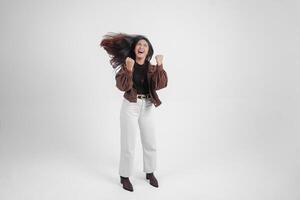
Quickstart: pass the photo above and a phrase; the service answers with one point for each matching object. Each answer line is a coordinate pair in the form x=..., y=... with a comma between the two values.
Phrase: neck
x=140, y=61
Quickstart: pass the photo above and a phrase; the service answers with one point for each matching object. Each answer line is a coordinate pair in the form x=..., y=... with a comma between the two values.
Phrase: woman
x=139, y=80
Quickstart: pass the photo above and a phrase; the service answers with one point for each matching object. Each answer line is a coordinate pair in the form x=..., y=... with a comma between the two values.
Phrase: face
x=141, y=49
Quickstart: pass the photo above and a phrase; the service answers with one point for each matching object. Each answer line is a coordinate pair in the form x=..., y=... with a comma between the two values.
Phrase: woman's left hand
x=159, y=59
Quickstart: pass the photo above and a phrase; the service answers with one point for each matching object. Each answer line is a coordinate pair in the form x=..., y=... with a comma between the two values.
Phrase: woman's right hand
x=129, y=64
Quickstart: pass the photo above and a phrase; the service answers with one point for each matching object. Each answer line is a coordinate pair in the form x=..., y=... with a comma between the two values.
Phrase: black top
x=140, y=81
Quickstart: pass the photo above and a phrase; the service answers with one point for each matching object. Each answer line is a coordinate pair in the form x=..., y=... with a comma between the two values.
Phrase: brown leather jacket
x=157, y=79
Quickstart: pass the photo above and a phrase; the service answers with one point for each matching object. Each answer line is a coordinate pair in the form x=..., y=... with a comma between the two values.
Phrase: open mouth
x=140, y=51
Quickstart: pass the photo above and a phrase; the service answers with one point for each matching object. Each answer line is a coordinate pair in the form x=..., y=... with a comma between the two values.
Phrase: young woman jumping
x=139, y=80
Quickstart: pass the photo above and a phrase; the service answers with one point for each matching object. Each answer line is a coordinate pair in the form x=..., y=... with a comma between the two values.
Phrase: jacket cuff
x=127, y=72
x=159, y=67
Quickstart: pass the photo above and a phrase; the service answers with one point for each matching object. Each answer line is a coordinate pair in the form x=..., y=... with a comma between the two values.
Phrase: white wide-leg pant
x=134, y=118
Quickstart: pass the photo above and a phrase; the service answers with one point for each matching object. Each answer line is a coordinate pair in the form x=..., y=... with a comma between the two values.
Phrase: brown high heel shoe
x=152, y=179
x=126, y=183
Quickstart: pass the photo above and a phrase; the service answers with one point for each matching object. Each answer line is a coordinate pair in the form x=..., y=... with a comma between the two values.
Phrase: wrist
x=159, y=66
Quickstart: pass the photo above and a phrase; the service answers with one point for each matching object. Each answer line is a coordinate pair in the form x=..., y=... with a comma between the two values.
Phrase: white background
x=228, y=126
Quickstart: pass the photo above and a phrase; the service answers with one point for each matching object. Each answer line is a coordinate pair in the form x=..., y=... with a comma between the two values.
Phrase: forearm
x=124, y=80
x=160, y=77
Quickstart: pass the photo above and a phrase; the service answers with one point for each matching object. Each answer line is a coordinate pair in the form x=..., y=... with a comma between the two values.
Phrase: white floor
x=69, y=177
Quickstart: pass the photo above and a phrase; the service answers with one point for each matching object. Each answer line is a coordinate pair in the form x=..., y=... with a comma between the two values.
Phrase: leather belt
x=143, y=96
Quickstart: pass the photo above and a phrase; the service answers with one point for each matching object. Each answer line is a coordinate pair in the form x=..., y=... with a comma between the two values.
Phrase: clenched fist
x=129, y=64
x=159, y=59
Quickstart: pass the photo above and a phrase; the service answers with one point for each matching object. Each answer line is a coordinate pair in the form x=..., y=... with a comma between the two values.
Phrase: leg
x=129, y=127
x=147, y=131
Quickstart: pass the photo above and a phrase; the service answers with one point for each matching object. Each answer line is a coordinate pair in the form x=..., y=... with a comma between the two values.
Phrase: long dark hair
x=119, y=46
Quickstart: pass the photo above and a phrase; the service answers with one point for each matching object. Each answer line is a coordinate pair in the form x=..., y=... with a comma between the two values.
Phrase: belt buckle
x=142, y=96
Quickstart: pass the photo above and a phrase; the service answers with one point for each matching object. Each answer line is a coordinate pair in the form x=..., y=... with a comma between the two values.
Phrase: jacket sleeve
x=159, y=78
x=124, y=80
